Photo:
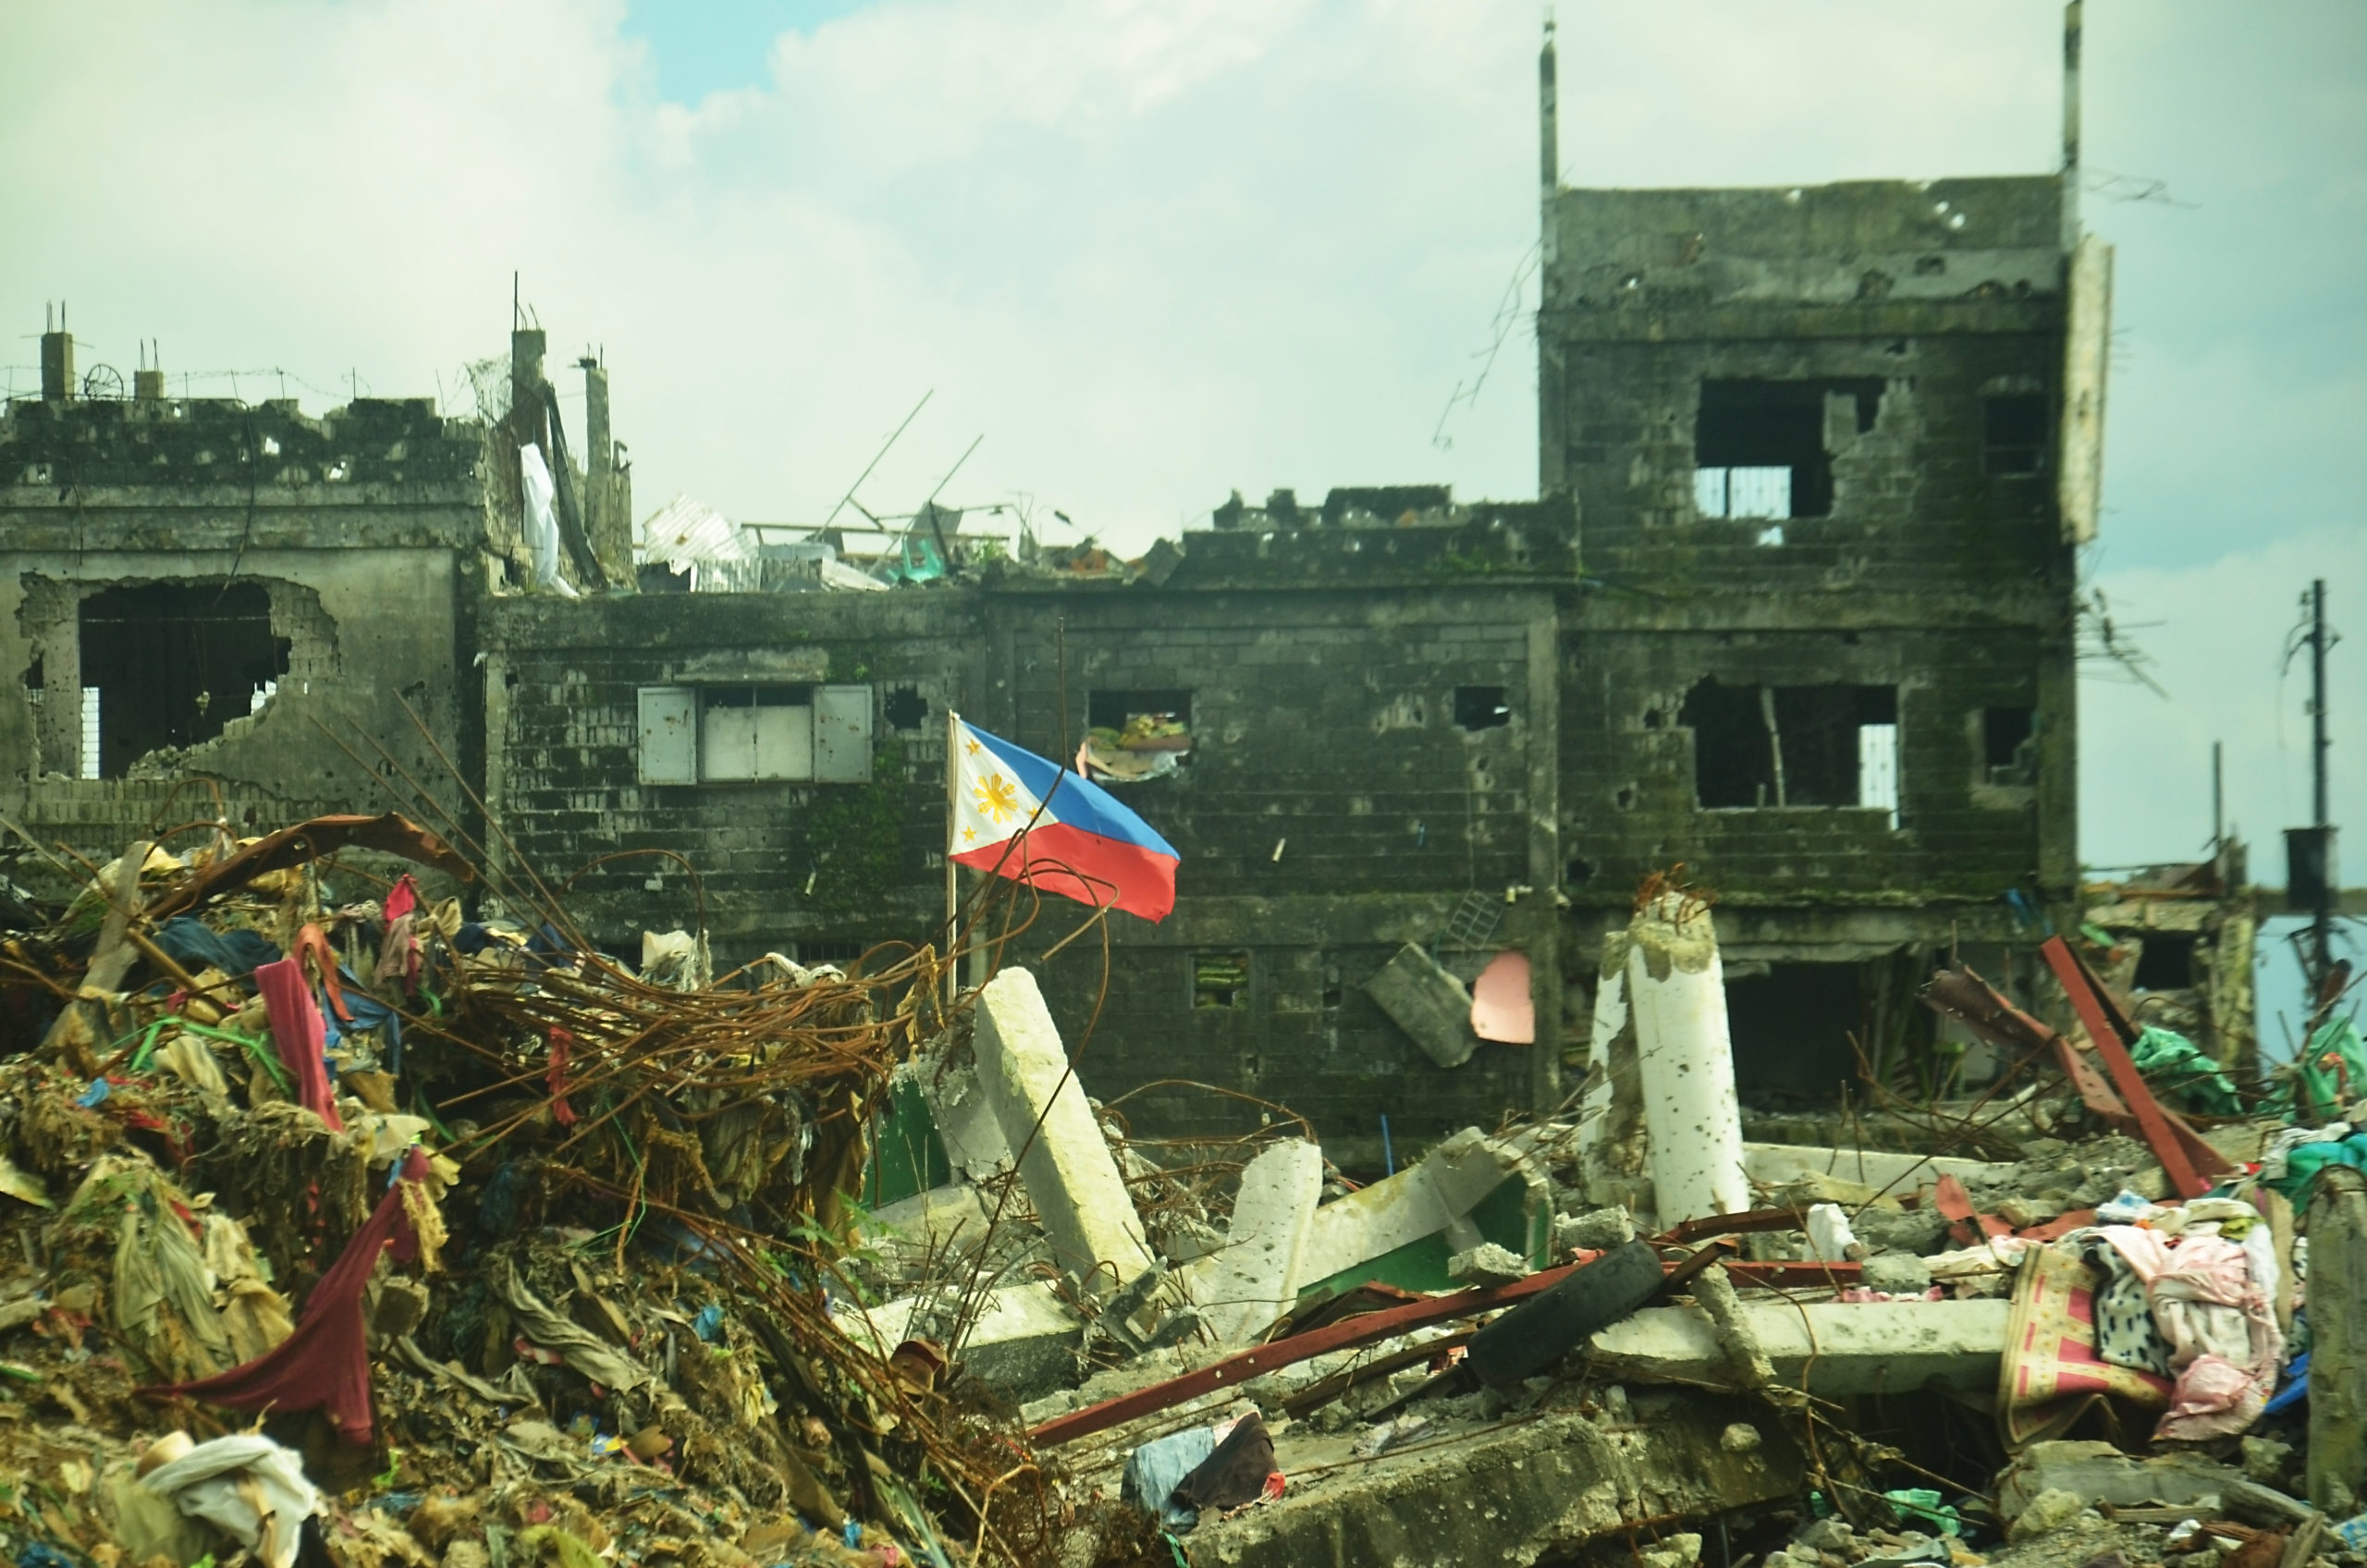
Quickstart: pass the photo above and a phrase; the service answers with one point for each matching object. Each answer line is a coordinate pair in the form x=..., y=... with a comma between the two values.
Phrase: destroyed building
x=1797, y=611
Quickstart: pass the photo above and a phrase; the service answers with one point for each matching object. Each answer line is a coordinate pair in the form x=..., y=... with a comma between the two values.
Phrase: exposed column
x=1676, y=992
x=2337, y=1471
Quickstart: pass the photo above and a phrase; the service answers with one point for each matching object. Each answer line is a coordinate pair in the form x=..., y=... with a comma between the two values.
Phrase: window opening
x=170, y=664
x=2008, y=748
x=1220, y=980
x=905, y=708
x=1758, y=447
x=2014, y=434
x=836, y=951
x=1481, y=707
x=1794, y=746
x=2166, y=962
x=1791, y=1027
x=1131, y=736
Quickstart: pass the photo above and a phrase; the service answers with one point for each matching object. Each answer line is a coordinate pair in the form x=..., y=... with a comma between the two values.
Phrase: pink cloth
x=2224, y=1345
x=325, y=1364
x=296, y=1028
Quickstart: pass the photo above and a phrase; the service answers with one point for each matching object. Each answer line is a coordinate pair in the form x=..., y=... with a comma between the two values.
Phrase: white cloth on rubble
x=539, y=492
x=248, y=1485
x=2225, y=1346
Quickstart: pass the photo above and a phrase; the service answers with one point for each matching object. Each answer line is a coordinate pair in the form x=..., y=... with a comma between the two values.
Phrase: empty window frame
x=1220, y=980
x=1758, y=746
x=2014, y=434
x=2009, y=745
x=1481, y=707
x=1759, y=447
x=749, y=733
x=170, y=664
x=2166, y=960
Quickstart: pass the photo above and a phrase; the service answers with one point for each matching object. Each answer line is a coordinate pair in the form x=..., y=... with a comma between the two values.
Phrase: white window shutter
x=670, y=735
x=843, y=734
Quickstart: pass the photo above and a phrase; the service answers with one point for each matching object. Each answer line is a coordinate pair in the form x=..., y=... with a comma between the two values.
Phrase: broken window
x=1220, y=980
x=2014, y=434
x=2166, y=962
x=2008, y=745
x=1131, y=736
x=1481, y=707
x=170, y=664
x=748, y=733
x=905, y=708
x=1794, y=746
x=1758, y=447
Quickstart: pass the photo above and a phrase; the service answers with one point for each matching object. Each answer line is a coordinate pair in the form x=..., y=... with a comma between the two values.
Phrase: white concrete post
x=1254, y=1279
x=1088, y=1216
x=1677, y=994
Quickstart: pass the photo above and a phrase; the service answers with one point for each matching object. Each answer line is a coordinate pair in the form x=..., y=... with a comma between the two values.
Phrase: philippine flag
x=1082, y=844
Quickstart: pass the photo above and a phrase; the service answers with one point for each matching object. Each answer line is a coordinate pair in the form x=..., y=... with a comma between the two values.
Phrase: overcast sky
x=1155, y=251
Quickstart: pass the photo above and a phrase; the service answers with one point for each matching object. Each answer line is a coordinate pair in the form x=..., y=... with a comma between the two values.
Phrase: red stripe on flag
x=1056, y=858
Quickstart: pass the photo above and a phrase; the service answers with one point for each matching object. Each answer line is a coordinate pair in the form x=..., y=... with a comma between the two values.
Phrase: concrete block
x=1253, y=1279
x=1487, y=1264
x=1429, y=1004
x=966, y=1123
x=1856, y=1348
x=1432, y=1198
x=1080, y=1199
x=1511, y=1492
x=1023, y=1342
x=2099, y=1473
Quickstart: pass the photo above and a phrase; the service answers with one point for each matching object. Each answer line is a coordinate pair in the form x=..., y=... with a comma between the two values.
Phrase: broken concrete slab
x=1777, y=1165
x=1446, y=1203
x=2101, y=1473
x=1080, y=1199
x=965, y=1123
x=1024, y=1339
x=1685, y=1058
x=1426, y=1002
x=1840, y=1347
x=1253, y=1279
x=1511, y=1492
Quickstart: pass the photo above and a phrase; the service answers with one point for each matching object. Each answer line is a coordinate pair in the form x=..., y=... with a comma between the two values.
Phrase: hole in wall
x=2166, y=962
x=2008, y=745
x=169, y=665
x=1220, y=980
x=1481, y=707
x=2014, y=434
x=905, y=708
x=1625, y=797
x=1578, y=873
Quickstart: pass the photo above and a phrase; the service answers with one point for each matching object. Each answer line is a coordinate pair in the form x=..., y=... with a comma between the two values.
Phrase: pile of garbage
x=350, y=1228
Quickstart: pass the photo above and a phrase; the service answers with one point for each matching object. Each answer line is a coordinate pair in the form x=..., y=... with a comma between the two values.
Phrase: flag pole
x=953, y=896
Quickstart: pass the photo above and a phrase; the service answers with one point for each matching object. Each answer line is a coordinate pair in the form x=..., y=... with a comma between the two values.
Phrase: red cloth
x=325, y=1364
x=296, y=1027
x=401, y=899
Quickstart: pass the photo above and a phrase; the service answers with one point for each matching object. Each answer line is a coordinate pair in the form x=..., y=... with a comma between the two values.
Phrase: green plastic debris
x=2330, y=1072
x=1922, y=1506
x=2181, y=1075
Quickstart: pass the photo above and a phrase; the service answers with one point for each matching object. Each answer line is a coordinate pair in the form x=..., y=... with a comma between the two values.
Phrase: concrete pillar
x=1254, y=1279
x=2338, y=1342
x=56, y=366
x=1088, y=1215
x=1684, y=1056
x=1611, y=1146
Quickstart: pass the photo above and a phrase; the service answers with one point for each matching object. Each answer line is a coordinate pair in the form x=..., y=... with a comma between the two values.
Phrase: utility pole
x=2311, y=880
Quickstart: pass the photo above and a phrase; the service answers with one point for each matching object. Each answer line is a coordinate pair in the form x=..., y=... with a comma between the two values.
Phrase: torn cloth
x=586, y=1352
x=248, y=1485
x=2221, y=1330
x=325, y=1364
x=297, y=1029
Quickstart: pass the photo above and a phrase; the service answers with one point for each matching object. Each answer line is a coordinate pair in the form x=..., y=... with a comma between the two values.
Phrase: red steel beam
x=1350, y=1333
x=2183, y=1160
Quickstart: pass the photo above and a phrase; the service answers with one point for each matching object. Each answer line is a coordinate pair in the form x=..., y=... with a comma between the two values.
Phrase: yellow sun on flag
x=998, y=799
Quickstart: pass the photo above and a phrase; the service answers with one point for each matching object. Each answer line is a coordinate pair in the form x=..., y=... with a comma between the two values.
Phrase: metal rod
x=876, y=457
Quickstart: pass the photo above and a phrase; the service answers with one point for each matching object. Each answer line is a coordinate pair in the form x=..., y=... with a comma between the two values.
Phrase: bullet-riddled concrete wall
x=182, y=557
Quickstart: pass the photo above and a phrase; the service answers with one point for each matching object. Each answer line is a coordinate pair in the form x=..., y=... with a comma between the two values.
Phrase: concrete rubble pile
x=1628, y=1330
x=350, y=1228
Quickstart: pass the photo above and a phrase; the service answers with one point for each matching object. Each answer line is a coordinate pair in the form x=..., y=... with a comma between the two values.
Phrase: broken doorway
x=169, y=665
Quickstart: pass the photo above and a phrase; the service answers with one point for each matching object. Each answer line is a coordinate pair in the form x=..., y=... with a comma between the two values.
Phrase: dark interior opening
x=905, y=708
x=174, y=662
x=826, y=950
x=2014, y=434
x=1778, y=424
x=2005, y=744
x=1791, y=1030
x=1481, y=707
x=1110, y=710
x=2166, y=962
x=1736, y=754
x=1220, y=980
